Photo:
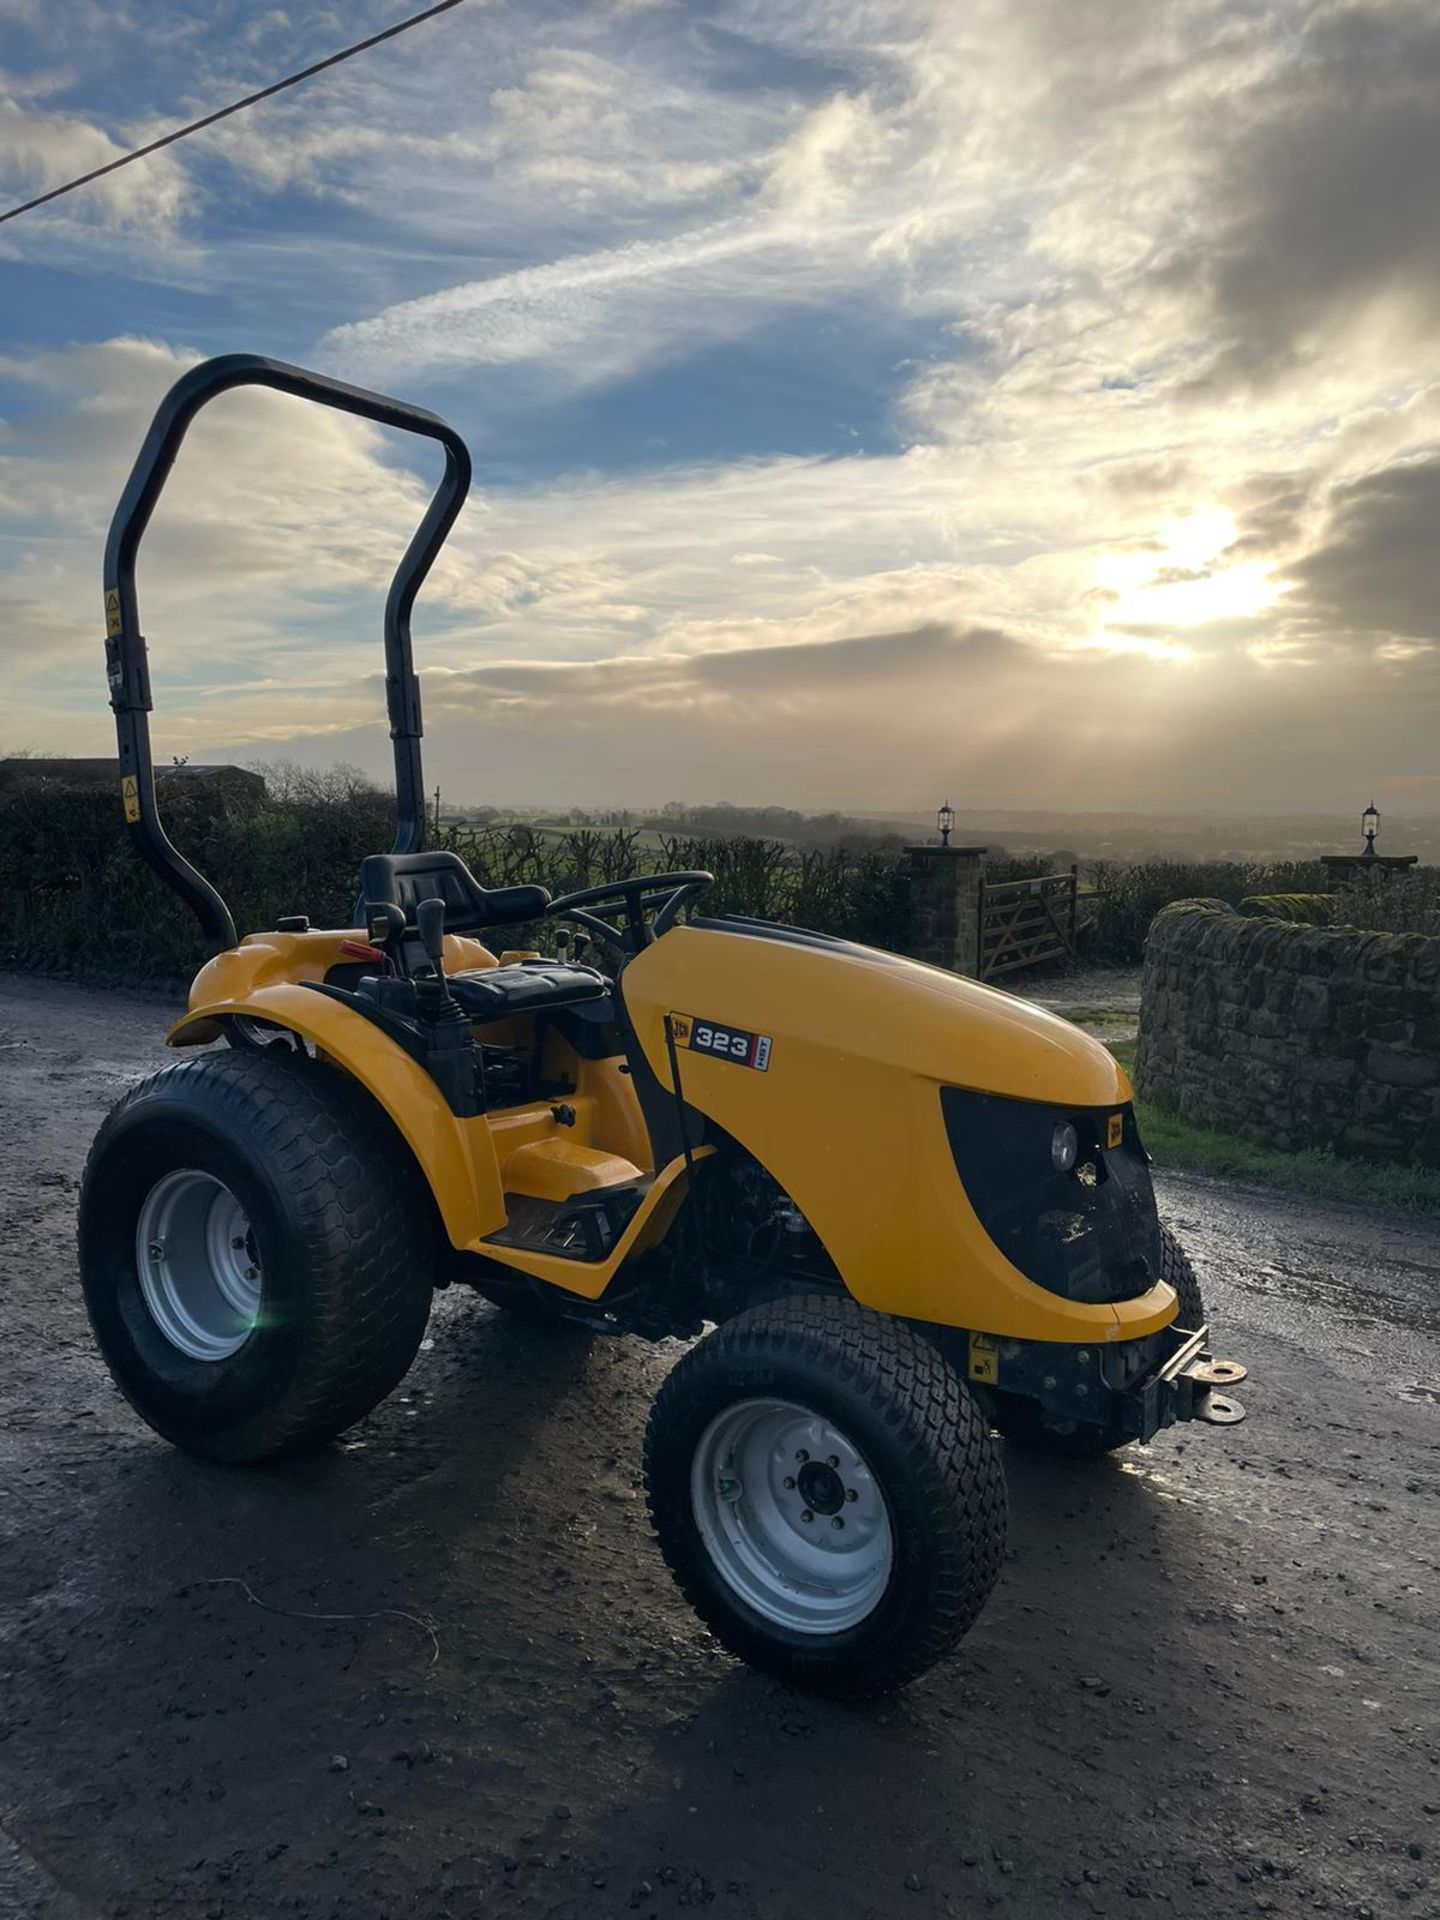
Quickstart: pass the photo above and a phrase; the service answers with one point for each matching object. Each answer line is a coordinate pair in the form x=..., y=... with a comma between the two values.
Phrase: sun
x=1183, y=581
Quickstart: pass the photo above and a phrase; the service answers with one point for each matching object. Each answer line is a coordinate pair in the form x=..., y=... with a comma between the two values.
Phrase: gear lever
x=430, y=920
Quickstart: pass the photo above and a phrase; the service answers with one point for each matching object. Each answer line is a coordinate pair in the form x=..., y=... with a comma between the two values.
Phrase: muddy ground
x=439, y=1669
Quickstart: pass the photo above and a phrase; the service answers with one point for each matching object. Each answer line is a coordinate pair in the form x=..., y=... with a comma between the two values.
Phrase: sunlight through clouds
x=876, y=396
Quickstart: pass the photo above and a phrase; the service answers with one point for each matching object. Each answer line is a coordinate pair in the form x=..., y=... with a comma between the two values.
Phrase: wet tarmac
x=438, y=1670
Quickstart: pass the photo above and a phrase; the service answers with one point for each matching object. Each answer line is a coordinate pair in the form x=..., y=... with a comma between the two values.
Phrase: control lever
x=430, y=920
x=454, y=1062
x=386, y=926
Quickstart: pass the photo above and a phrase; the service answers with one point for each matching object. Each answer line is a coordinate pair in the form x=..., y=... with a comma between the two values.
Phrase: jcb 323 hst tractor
x=916, y=1210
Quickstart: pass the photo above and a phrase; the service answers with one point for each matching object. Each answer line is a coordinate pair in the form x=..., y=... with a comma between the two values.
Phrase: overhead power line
x=236, y=106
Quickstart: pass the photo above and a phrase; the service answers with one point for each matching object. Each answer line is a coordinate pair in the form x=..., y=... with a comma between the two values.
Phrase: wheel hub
x=795, y=1522
x=820, y=1487
x=198, y=1264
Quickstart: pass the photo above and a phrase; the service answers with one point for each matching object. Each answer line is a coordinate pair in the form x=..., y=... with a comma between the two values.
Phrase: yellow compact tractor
x=916, y=1211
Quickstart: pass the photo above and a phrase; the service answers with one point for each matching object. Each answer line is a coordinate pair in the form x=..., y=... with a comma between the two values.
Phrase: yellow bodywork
x=846, y=1117
x=471, y=1164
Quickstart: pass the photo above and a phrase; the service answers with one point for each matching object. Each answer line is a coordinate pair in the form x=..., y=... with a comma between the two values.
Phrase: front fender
x=455, y=1157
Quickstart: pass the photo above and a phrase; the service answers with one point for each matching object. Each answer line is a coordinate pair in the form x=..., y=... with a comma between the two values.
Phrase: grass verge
x=1173, y=1142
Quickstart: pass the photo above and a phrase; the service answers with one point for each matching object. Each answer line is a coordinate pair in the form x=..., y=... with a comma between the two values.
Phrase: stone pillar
x=945, y=906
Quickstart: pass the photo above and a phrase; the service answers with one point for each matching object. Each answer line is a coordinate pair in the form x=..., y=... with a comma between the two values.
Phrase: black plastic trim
x=1088, y=1241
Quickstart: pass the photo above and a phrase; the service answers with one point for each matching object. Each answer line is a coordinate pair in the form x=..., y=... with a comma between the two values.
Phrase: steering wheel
x=661, y=893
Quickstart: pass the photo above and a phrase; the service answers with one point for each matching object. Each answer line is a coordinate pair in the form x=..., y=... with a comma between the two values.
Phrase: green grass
x=1173, y=1142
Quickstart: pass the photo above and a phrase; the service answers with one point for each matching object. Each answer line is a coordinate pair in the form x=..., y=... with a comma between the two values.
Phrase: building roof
x=103, y=773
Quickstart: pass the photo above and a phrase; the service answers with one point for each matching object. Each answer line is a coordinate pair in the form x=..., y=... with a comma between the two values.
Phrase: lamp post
x=1370, y=826
x=945, y=820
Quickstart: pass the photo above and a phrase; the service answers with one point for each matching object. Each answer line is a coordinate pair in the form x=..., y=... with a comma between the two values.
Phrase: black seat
x=530, y=986
x=403, y=880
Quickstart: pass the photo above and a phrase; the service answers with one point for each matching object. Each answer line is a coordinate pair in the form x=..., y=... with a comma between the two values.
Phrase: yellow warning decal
x=984, y=1358
x=680, y=1027
x=112, y=611
x=1115, y=1131
x=130, y=797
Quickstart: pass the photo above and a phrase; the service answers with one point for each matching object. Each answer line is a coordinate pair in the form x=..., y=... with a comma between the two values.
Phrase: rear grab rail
x=126, y=657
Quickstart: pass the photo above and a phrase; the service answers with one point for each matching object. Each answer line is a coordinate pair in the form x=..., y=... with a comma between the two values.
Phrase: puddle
x=1360, y=1305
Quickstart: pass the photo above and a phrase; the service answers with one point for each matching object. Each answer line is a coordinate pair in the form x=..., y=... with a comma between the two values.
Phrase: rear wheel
x=255, y=1259
x=826, y=1494
x=1022, y=1422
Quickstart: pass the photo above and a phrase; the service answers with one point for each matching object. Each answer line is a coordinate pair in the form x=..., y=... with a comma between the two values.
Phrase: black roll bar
x=126, y=662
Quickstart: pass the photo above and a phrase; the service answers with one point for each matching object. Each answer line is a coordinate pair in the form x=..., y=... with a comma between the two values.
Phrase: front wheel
x=256, y=1264
x=826, y=1494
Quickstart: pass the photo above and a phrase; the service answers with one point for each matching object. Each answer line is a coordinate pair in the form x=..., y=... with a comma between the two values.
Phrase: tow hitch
x=1186, y=1387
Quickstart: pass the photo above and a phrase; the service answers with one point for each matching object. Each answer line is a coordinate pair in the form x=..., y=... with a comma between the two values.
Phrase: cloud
x=1146, y=499
x=897, y=720
x=1326, y=176
x=593, y=316
x=40, y=149
x=563, y=308
x=1376, y=569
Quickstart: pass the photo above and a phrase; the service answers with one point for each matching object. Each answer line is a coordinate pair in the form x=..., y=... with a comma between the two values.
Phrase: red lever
x=360, y=950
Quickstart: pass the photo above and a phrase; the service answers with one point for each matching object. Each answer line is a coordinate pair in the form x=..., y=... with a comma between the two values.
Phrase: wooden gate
x=1025, y=922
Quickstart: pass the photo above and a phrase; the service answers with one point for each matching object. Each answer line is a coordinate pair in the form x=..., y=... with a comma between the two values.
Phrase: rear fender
x=455, y=1157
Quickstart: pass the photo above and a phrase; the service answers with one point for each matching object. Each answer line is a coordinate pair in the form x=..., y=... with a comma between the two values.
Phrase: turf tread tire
x=895, y=1395
x=358, y=1228
x=1176, y=1270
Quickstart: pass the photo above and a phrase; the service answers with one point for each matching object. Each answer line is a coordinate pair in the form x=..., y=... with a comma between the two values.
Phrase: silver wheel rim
x=768, y=1483
x=199, y=1266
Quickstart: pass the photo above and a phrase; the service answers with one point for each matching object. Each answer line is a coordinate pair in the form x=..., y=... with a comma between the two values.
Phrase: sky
x=1034, y=403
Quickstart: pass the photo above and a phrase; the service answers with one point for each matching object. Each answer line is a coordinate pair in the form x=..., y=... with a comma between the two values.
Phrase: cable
x=238, y=106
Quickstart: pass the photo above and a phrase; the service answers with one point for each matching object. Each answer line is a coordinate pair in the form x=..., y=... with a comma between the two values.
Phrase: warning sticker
x=1115, y=1130
x=130, y=797
x=984, y=1358
x=112, y=611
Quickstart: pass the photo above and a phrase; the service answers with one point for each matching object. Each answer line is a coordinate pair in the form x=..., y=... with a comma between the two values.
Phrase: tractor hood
x=792, y=987
x=832, y=1065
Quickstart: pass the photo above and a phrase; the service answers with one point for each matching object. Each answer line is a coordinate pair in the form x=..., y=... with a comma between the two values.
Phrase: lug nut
x=238, y=1242
x=834, y=1460
x=155, y=1250
x=837, y=1523
x=788, y=1482
x=807, y=1516
x=851, y=1495
x=801, y=1455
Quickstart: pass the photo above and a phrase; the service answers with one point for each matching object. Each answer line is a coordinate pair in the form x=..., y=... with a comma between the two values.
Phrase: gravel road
x=438, y=1670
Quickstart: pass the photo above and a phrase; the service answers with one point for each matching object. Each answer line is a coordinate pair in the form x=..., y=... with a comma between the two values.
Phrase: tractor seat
x=529, y=986
x=403, y=880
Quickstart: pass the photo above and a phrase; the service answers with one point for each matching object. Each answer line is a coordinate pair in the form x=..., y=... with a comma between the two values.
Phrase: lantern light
x=1370, y=826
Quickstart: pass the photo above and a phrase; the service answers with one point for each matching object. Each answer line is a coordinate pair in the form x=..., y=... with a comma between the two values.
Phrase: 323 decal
x=722, y=1042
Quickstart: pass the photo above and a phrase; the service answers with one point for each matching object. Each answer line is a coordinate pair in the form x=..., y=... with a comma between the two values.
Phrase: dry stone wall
x=1293, y=1036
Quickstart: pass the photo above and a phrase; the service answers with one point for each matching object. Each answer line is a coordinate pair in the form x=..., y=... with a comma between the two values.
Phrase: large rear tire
x=1024, y=1424
x=256, y=1253
x=826, y=1494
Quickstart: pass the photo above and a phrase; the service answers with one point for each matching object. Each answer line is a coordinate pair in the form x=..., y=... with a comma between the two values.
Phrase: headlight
x=1064, y=1147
